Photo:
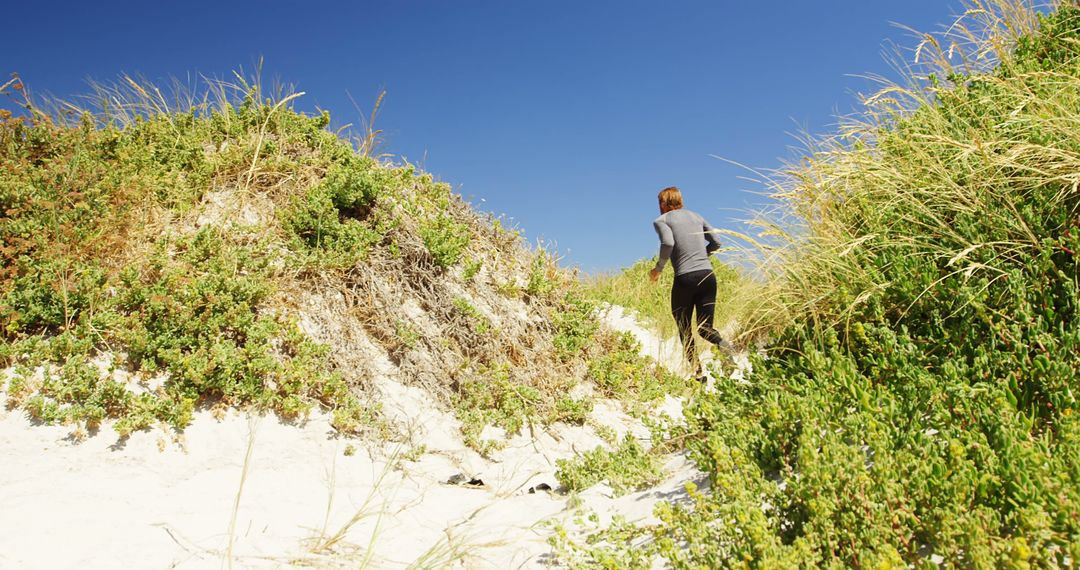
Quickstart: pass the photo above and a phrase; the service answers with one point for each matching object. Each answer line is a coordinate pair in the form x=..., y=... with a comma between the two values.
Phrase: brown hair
x=670, y=197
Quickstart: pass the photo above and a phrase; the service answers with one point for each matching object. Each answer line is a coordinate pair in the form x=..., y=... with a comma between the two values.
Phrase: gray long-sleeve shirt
x=687, y=239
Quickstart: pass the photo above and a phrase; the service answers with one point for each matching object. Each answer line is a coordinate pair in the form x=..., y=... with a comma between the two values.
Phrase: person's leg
x=705, y=304
x=682, y=308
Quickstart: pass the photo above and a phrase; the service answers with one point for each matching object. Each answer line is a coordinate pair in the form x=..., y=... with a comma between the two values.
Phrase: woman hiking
x=688, y=240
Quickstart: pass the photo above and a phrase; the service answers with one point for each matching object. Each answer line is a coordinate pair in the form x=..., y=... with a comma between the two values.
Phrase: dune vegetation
x=916, y=293
x=917, y=405
x=212, y=246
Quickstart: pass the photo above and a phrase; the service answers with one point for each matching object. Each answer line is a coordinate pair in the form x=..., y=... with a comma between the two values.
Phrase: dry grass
x=804, y=248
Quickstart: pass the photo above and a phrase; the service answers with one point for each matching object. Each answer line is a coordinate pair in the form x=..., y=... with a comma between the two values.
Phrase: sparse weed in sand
x=245, y=469
x=336, y=544
x=606, y=433
x=409, y=336
x=473, y=317
x=620, y=372
x=413, y=453
x=627, y=467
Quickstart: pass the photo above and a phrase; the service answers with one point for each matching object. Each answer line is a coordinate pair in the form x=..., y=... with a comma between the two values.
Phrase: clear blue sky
x=566, y=116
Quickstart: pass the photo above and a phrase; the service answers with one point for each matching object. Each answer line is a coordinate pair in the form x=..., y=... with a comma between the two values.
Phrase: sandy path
x=151, y=502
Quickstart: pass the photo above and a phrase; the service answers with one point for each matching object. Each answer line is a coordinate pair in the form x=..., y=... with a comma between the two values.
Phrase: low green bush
x=331, y=221
x=192, y=312
x=445, y=239
x=471, y=269
x=572, y=410
x=575, y=326
x=76, y=393
x=542, y=276
x=493, y=398
x=621, y=372
x=625, y=468
x=473, y=317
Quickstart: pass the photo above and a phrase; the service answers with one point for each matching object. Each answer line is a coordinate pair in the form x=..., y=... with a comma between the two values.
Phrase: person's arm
x=710, y=236
x=667, y=245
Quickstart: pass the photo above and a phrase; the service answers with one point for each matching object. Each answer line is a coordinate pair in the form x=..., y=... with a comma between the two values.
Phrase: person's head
x=670, y=199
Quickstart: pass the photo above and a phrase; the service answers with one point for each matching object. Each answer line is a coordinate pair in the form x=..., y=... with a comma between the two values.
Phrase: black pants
x=692, y=291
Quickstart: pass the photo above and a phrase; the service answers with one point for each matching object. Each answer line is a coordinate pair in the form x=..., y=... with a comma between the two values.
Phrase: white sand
x=151, y=502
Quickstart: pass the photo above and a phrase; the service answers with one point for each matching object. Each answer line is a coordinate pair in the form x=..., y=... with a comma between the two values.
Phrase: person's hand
x=654, y=275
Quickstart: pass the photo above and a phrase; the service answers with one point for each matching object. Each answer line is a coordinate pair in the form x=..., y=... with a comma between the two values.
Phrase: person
x=688, y=241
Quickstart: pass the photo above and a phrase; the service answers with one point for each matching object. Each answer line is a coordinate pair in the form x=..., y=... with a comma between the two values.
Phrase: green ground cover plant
x=620, y=372
x=918, y=407
x=493, y=398
x=327, y=220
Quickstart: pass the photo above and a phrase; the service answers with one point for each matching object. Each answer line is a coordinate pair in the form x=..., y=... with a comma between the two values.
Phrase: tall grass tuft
x=943, y=168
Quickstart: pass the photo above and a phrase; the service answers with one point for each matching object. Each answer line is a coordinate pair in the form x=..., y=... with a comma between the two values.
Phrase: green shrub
x=80, y=203
x=473, y=317
x=445, y=239
x=472, y=268
x=52, y=294
x=573, y=411
x=407, y=334
x=197, y=317
x=493, y=398
x=332, y=219
x=77, y=394
x=541, y=277
x=626, y=468
x=193, y=313
x=575, y=326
